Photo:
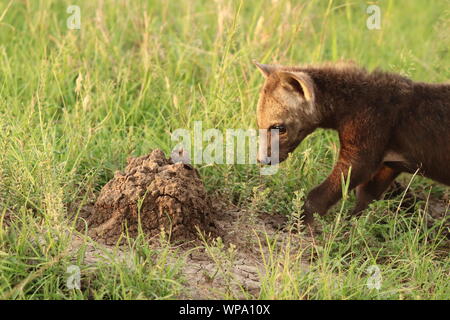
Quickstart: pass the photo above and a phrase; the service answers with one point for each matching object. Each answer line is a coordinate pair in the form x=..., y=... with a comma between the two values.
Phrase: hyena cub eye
x=281, y=129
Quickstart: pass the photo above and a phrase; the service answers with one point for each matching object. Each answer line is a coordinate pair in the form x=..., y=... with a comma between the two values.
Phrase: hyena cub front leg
x=322, y=197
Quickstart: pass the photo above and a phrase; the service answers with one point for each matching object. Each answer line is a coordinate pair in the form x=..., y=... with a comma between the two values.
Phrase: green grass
x=74, y=104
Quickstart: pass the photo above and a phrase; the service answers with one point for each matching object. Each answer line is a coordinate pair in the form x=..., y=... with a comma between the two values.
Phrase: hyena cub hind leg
x=374, y=188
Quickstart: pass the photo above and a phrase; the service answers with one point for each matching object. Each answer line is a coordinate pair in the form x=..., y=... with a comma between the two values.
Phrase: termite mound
x=154, y=194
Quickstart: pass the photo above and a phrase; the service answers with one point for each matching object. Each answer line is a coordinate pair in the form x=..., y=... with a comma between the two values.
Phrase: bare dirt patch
x=229, y=265
x=236, y=268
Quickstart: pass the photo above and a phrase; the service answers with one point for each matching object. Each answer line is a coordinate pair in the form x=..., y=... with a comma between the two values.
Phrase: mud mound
x=156, y=194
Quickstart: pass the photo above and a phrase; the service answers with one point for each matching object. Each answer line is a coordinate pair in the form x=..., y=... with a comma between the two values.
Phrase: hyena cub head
x=287, y=104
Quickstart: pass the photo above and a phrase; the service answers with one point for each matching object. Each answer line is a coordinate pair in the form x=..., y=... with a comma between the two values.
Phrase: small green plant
x=297, y=209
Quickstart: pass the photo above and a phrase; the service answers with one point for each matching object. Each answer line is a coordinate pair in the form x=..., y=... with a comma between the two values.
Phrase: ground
x=224, y=246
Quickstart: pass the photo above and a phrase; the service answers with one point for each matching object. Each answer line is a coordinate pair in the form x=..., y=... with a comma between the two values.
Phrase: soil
x=236, y=270
x=157, y=194
x=210, y=270
x=154, y=194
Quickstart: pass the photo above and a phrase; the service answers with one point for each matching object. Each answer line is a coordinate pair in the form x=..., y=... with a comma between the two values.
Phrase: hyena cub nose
x=264, y=160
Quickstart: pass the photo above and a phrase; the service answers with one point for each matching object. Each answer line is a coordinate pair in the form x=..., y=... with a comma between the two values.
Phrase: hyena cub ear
x=266, y=69
x=299, y=82
x=302, y=84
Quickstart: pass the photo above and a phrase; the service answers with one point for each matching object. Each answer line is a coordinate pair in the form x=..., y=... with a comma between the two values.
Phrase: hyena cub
x=387, y=124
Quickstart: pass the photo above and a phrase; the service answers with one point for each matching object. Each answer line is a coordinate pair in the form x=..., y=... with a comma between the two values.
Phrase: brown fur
x=387, y=124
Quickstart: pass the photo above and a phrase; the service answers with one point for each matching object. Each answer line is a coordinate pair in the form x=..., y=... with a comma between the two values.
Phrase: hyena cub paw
x=308, y=212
